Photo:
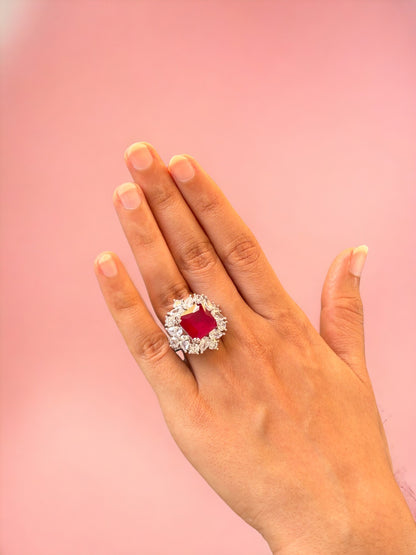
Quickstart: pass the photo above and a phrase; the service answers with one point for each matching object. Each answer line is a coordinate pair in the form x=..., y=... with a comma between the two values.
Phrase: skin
x=281, y=420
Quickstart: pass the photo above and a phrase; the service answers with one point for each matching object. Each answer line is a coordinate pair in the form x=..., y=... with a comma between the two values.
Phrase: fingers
x=168, y=375
x=234, y=242
x=165, y=223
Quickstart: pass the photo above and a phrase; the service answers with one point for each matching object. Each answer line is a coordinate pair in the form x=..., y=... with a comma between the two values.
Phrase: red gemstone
x=198, y=323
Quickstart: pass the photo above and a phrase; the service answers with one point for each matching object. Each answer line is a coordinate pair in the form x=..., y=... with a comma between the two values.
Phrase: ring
x=195, y=324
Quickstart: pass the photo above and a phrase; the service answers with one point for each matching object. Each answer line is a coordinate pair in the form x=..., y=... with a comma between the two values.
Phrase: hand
x=281, y=420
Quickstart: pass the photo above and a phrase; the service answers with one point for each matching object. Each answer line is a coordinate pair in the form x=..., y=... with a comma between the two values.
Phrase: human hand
x=281, y=421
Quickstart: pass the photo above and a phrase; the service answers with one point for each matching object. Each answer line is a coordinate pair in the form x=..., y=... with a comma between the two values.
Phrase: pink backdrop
x=304, y=112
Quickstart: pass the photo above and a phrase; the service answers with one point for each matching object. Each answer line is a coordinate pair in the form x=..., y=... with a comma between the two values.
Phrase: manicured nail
x=107, y=265
x=139, y=156
x=358, y=258
x=181, y=168
x=129, y=196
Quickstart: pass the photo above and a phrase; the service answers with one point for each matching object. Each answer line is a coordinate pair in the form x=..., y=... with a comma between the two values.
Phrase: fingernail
x=107, y=265
x=181, y=168
x=129, y=196
x=139, y=156
x=358, y=258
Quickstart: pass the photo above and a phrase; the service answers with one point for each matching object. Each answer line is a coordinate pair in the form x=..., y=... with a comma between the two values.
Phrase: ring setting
x=195, y=324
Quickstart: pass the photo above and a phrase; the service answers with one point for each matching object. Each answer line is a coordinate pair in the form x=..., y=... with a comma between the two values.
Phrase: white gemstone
x=204, y=344
x=170, y=321
x=185, y=344
x=222, y=326
x=212, y=343
x=188, y=302
x=215, y=333
x=194, y=349
x=175, y=330
x=174, y=342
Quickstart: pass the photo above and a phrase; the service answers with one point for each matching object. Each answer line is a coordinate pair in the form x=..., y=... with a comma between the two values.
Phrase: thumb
x=342, y=319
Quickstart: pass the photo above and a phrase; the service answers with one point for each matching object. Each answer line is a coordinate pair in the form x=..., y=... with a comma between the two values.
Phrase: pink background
x=304, y=113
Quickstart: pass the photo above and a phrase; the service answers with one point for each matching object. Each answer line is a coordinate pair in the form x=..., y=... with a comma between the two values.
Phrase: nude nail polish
x=357, y=261
x=107, y=265
x=181, y=168
x=129, y=196
x=139, y=156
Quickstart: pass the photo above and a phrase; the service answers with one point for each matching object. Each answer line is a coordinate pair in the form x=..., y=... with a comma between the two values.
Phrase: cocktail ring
x=195, y=324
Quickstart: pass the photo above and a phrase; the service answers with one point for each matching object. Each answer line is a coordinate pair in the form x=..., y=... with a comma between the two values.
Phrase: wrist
x=382, y=524
x=401, y=541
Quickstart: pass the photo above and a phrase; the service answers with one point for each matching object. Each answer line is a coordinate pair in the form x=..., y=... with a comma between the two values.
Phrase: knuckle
x=153, y=347
x=209, y=203
x=258, y=348
x=143, y=238
x=198, y=257
x=262, y=418
x=348, y=308
x=123, y=302
x=173, y=291
x=163, y=197
x=259, y=342
x=294, y=326
x=243, y=252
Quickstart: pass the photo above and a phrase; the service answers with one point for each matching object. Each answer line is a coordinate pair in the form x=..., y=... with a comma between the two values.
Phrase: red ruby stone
x=198, y=323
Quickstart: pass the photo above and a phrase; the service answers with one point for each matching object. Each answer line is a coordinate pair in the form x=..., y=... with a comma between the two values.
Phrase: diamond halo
x=201, y=315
